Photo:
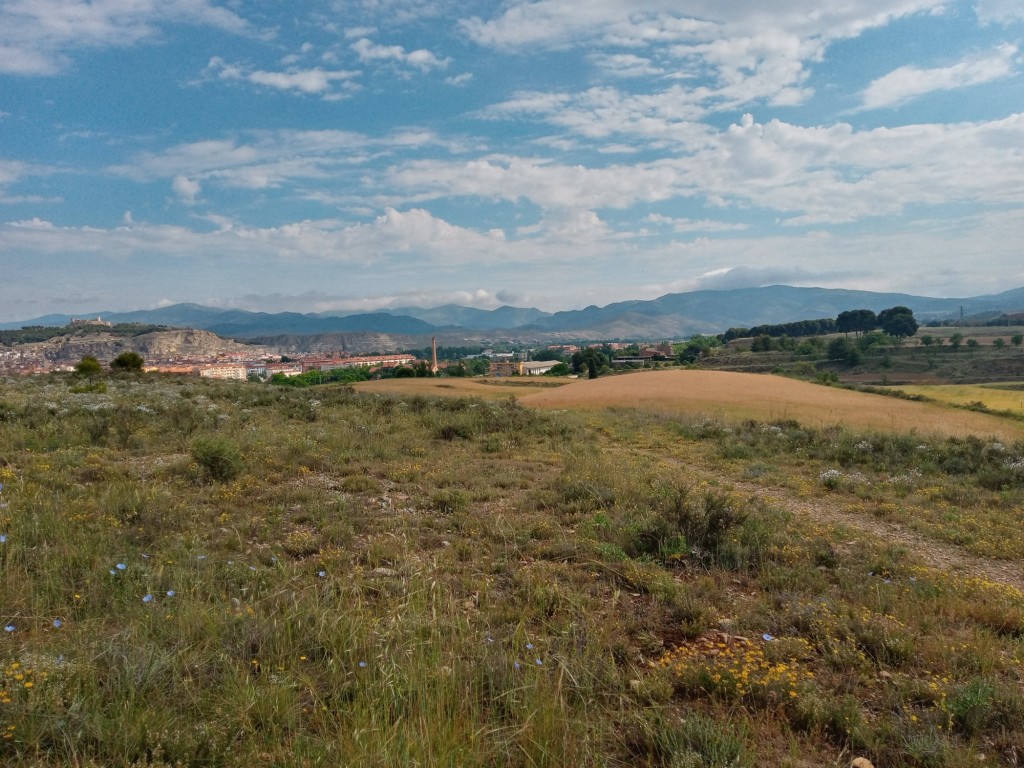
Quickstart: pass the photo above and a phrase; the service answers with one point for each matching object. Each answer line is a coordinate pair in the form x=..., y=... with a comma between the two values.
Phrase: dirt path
x=944, y=556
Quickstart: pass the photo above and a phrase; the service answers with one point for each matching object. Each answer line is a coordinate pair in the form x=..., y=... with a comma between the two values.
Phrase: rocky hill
x=156, y=345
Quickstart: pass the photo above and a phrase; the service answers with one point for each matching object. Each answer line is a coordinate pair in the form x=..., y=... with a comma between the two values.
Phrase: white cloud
x=751, y=50
x=909, y=82
x=807, y=175
x=459, y=80
x=1002, y=11
x=553, y=186
x=37, y=37
x=186, y=189
x=626, y=65
x=420, y=59
x=330, y=84
x=267, y=159
x=694, y=225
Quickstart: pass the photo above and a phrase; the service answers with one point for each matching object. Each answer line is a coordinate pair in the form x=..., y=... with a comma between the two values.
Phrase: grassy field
x=209, y=573
x=1008, y=397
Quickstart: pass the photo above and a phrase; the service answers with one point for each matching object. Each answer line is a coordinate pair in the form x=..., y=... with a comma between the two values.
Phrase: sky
x=351, y=155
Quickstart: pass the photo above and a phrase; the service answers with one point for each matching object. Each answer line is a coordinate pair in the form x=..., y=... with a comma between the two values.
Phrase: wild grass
x=231, y=574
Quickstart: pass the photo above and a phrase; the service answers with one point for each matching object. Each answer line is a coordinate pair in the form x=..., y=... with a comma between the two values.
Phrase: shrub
x=88, y=366
x=127, y=362
x=217, y=458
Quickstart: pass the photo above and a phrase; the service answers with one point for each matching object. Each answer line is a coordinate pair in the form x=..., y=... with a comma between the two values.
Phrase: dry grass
x=486, y=388
x=735, y=396
x=991, y=395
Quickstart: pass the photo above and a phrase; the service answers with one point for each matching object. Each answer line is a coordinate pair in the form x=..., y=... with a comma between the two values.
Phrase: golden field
x=997, y=397
x=724, y=395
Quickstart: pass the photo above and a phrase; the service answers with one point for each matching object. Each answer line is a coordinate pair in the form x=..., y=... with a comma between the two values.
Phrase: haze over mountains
x=671, y=316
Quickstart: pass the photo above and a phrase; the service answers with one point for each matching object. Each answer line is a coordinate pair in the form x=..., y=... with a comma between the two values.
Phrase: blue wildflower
x=147, y=599
x=3, y=538
x=321, y=574
x=538, y=662
x=171, y=593
x=516, y=666
x=57, y=623
x=362, y=664
x=529, y=646
x=121, y=566
x=768, y=638
x=9, y=628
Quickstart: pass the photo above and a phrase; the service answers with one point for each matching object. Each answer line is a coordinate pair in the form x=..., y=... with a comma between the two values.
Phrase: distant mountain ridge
x=674, y=315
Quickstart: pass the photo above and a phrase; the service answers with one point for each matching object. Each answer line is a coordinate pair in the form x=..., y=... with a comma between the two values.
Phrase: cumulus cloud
x=459, y=80
x=752, y=50
x=909, y=82
x=329, y=84
x=1002, y=11
x=420, y=59
x=38, y=37
x=186, y=189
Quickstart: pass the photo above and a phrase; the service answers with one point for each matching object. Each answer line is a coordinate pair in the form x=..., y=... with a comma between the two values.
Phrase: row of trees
x=798, y=329
x=896, y=321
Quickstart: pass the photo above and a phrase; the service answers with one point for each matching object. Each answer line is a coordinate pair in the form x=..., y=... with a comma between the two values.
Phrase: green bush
x=217, y=458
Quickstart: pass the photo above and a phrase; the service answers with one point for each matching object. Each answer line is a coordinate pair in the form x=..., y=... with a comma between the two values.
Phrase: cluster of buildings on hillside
x=26, y=359
x=29, y=359
x=263, y=369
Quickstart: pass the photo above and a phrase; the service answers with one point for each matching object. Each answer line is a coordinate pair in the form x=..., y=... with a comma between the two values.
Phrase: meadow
x=1007, y=397
x=209, y=573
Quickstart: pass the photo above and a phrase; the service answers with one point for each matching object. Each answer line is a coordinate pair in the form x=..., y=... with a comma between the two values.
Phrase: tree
x=88, y=366
x=898, y=321
x=999, y=343
x=559, y=369
x=127, y=362
x=591, y=359
x=845, y=350
x=972, y=344
x=1017, y=339
x=956, y=340
x=856, y=320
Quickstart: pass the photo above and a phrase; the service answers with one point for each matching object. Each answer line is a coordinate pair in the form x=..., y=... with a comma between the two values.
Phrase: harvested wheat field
x=737, y=396
x=486, y=388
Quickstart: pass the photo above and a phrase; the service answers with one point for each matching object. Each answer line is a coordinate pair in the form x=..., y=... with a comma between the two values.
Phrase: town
x=201, y=353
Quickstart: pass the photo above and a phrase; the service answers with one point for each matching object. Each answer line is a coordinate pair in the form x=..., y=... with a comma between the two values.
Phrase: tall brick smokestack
x=433, y=355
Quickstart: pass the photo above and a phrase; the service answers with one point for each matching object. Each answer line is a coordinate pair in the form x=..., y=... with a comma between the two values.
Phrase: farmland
x=1008, y=397
x=604, y=573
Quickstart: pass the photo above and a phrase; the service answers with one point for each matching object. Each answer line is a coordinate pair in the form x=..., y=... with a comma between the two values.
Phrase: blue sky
x=350, y=155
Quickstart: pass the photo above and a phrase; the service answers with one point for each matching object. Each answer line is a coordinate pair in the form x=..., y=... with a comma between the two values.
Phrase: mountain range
x=674, y=315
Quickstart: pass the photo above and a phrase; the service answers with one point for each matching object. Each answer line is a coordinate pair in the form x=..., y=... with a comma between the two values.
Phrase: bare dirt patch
x=736, y=396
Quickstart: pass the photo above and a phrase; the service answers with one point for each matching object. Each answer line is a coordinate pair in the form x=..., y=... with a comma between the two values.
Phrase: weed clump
x=217, y=458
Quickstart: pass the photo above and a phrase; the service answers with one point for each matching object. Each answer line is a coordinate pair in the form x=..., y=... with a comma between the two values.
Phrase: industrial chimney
x=433, y=355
